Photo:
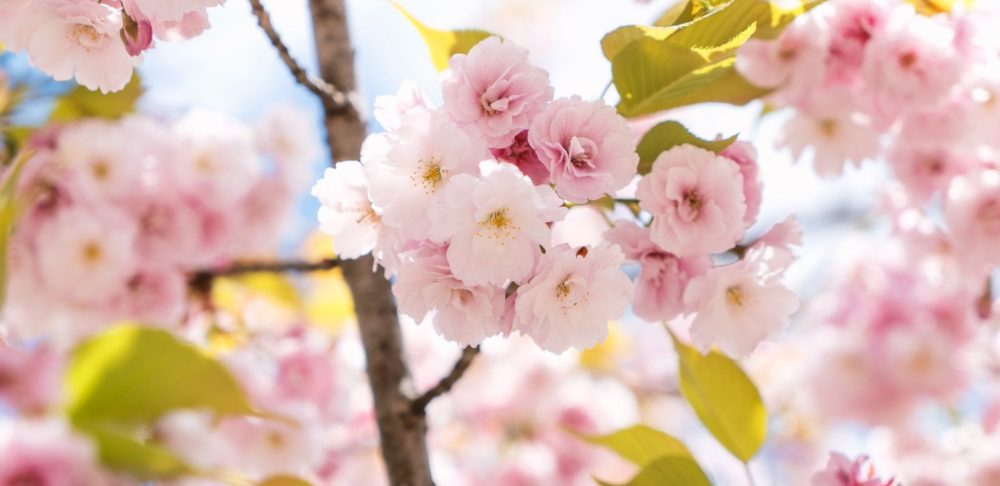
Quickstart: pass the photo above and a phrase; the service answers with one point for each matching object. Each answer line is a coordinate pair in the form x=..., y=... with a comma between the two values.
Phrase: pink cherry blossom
x=572, y=296
x=659, y=288
x=48, y=453
x=696, y=198
x=80, y=40
x=306, y=375
x=972, y=213
x=86, y=255
x=794, y=61
x=154, y=296
x=925, y=169
x=137, y=30
x=841, y=471
x=391, y=111
x=523, y=156
x=913, y=63
x=98, y=151
x=834, y=138
x=409, y=174
x=461, y=313
x=739, y=305
x=30, y=379
x=17, y=23
x=289, y=137
x=745, y=157
x=586, y=147
x=216, y=162
x=496, y=90
x=852, y=25
x=494, y=225
x=345, y=212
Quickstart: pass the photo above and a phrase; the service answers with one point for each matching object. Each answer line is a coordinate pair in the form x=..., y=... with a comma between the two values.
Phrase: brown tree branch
x=332, y=99
x=201, y=281
x=419, y=404
x=402, y=433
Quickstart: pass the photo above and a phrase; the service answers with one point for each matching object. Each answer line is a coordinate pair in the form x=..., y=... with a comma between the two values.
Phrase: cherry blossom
x=462, y=313
x=494, y=89
x=496, y=225
x=572, y=296
x=696, y=199
x=586, y=148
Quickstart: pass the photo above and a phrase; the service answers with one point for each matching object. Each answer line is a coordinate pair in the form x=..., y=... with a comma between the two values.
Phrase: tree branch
x=201, y=281
x=402, y=433
x=419, y=404
x=332, y=99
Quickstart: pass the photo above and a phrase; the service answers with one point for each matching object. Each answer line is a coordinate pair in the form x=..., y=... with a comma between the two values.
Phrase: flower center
x=429, y=174
x=989, y=215
x=87, y=36
x=497, y=219
x=91, y=252
x=828, y=127
x=907, y=60
x=367, y=216
x=734, y=295
x=100, y=170
x=563, y=289
x=493, y=107
x=690, y=205
x=27, y=478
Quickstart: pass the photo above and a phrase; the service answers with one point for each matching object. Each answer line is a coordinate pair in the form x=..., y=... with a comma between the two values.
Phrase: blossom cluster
x=873, y=79
x=458, y=204
x=97, y=43
x=116, y=215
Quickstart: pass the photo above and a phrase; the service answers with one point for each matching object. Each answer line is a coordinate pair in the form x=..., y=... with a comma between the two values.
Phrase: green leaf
x=9, y=210
x=141, y=460
x=284, y=480
x=669, y=471
x=443, y=44
x=133, y=375
x=724, y=398
x=617, y=40
x=647, y=69
x=669, y=134
x=81, y=102
x=640, y=444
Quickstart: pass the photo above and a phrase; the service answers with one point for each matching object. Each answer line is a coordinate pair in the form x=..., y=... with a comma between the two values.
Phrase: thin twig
x=201, y=280
x=419, y=404
x=333, y=100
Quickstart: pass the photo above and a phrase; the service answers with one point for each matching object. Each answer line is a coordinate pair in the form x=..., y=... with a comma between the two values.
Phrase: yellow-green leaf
x=646, y=69
x=669, y=134
x=669, y=471
x=640, y=444
x=615, y=41
x=133, y=375
x=724, y=398
x=81, y=102
x=284, y=480
x=443, y=44
x=9, y=209
x=143, y=461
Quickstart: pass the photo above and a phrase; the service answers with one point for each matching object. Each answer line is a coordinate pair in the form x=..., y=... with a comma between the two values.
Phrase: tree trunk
x=401, y=431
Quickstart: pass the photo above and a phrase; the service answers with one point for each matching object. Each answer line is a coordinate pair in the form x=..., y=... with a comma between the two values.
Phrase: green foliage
x=443, y=44
x=669, y=134
x=724, y=398
x=668, y=471
x=119, y=383
x=9, y=209
x=641, y=444
x=142, y=460
x=688, y=56
x=81, y=102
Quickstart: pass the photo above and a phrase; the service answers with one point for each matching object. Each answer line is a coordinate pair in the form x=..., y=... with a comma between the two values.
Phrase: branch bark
x=419, y=404
x=332, y=99
x=401, y=431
